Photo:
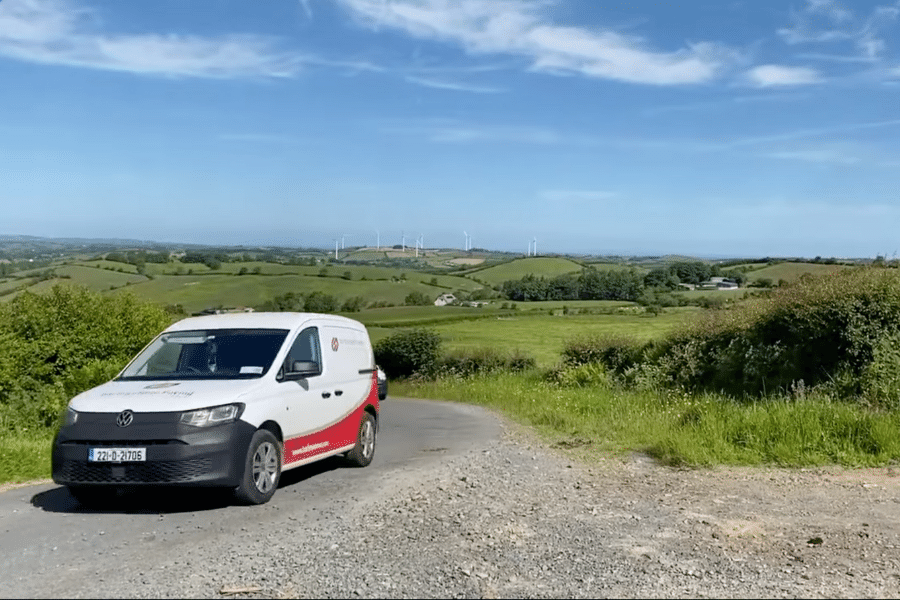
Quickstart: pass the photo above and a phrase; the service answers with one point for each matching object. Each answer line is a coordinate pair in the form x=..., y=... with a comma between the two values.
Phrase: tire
x=262, y=469
x=364, y=451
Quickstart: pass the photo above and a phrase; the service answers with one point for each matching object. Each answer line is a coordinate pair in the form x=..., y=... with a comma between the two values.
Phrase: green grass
x=791, y=271
x=517, y=269
x=681, y=430
x=543, y=336
x=25, y=456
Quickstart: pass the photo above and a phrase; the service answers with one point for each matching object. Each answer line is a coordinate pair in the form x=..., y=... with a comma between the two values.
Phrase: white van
x=225, y=400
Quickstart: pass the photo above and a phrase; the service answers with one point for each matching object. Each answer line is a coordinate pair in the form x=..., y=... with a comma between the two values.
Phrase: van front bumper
x=176, y=454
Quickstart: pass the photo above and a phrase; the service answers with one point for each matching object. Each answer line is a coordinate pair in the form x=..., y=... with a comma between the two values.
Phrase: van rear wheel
x=262, y=469
x=364, y=451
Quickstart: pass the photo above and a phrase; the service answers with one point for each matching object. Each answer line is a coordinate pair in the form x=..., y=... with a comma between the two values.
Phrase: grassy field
x=542, y=336
x=517, y=269
x=680, y=430
x=25, y=456
x=791, y=271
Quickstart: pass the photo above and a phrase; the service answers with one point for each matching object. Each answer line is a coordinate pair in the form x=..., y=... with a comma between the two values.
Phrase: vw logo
x=125, y=418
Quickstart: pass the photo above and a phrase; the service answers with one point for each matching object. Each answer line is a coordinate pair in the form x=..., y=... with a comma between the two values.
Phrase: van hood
x=162, y=396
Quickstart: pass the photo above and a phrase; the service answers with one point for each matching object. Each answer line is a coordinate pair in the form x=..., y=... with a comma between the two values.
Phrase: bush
x=417, y=298
x=481, y=361
x=407, y=353
x=354, y=304
x=58, y=344
x=836, y=332
x=320, y=302
x=615, y=353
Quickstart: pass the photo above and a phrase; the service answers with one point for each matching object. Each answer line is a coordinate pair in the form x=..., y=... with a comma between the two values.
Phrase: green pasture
x=552, y=305
x=108, y=264
x=728, y=295
x=519, y=268
x=543, y=336
x=198, y=292
x=12, y=283
x=98, y=279
x=792, y=271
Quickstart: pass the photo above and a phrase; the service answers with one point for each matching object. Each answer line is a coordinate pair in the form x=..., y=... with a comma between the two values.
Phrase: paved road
x=51, y=546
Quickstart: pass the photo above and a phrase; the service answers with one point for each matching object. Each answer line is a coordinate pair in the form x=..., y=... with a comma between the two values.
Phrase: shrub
x=60, y=343
x=484, y=360
x=615, y=353
x=417, y=298
x=834, y=331
x=320, y=302
x=354, y=304
x=415, y=351
x=586, y=375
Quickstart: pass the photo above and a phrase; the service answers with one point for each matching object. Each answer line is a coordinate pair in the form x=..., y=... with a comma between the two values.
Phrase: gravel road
x=517, y=518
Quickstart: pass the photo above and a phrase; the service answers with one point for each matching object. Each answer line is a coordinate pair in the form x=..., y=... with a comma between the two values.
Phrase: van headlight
x=216, y=415
x=70, y=417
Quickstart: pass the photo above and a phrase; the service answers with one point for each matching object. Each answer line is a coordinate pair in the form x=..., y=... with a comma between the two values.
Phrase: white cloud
x=453, y=86
x=519, y=28
x=779, y=75
x=56, y=32
x=826, y=21
x=831, y=156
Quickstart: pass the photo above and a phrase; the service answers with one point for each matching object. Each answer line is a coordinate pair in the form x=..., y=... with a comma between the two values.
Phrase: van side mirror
x=302, y=368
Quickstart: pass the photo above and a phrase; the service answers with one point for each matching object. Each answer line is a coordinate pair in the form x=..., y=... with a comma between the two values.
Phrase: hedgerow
x=60, y=343
x=838, y=334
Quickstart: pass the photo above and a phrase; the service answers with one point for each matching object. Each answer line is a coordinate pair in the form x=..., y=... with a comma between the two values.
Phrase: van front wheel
x=364, y=451
x=262, y=469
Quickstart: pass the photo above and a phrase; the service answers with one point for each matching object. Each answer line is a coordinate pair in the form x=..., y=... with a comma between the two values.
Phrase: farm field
x=543, y=336
x=792, y=271
x=517, y=269
x=198, y=292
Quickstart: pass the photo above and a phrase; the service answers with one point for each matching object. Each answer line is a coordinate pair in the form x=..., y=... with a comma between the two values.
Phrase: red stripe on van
x=341, y=434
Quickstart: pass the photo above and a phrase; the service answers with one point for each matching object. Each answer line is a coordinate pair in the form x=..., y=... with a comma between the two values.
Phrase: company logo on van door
x=334, y=344
x=310, y=448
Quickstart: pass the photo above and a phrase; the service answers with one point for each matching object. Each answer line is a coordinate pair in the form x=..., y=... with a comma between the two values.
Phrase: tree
x=661, y=278
x=417, y=298
x=320, y=302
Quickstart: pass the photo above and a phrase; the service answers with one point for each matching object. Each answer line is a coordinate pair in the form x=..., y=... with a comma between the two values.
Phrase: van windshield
x=207, y=354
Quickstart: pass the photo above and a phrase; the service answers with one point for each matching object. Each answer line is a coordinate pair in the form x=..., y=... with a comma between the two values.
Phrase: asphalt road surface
x=50, y=546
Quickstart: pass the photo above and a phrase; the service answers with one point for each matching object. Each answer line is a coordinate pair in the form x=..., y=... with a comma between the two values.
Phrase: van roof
x=259, y=320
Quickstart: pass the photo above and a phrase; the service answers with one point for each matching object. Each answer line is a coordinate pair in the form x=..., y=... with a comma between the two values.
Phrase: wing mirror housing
x=301, y=369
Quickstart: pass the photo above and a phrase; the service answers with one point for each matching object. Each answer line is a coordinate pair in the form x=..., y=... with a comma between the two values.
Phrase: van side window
x=305, y=348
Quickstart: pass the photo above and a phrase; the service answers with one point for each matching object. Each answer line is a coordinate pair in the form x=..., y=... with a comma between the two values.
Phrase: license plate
x=117, y=455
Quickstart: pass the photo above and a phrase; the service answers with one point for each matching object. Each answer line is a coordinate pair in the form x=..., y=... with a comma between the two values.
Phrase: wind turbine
x=468, y=241
x=344, y=235
x=403, y=241
x=420, y=243
x=335, y=248
x=535, y=246
x=377, y=240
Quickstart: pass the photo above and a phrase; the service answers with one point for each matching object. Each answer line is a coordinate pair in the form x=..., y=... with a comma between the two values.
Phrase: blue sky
x=708, y=128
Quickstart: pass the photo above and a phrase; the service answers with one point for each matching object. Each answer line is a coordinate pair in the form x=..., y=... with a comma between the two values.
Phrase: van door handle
x=338, y=392
x=326, y=394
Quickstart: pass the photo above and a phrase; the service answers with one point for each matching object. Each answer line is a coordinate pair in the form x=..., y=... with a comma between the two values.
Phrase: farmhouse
x=718, y=283
x=445, y=299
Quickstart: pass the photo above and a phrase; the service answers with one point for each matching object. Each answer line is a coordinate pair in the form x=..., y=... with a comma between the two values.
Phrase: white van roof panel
x=260, y=320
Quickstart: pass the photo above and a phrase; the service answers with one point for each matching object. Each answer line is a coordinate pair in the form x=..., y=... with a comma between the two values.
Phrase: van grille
x=171, y=471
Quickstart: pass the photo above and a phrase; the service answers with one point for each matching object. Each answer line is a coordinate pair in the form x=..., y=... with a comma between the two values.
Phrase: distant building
x=718, y=283
x=445, y=299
